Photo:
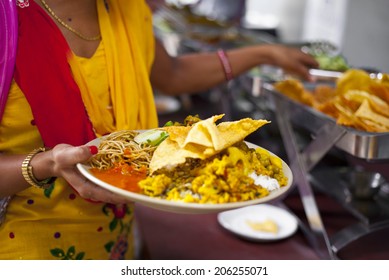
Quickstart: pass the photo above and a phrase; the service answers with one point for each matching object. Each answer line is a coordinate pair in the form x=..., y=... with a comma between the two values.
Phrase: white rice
x=265, y=181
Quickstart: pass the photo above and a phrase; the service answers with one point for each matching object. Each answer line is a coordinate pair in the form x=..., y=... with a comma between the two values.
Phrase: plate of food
x=199, y=168
x=262, y=223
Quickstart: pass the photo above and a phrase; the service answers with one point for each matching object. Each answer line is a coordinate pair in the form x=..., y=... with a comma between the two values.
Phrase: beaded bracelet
x=226, y=64
x=28, y=174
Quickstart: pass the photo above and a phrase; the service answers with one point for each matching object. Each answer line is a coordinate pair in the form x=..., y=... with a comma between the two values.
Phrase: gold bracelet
x=28, y=174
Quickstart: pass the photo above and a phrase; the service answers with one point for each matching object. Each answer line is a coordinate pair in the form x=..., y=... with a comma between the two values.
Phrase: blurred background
x=357, y=28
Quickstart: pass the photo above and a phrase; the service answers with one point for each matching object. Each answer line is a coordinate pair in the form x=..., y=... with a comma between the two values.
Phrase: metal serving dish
x=364, y=145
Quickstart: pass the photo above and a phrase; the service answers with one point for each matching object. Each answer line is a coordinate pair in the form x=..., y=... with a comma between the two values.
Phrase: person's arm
x=197, y=72
x=58, y=162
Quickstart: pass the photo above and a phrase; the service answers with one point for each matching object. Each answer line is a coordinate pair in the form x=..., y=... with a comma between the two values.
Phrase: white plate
x=182, y=207
x=236, y=221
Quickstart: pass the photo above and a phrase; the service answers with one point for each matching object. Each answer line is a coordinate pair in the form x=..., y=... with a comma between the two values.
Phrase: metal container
x=364, y=145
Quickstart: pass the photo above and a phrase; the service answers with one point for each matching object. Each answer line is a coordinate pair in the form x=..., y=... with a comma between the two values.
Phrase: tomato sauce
x=123, y=176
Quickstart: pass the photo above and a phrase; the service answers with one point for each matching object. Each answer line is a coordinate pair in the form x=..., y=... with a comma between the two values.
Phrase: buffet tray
x=364, y=145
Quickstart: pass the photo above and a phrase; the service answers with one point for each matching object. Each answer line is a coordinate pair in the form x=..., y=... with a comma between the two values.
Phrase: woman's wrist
x=37, y=168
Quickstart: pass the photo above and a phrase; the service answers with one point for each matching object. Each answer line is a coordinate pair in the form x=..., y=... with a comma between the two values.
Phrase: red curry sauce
x=122, y=176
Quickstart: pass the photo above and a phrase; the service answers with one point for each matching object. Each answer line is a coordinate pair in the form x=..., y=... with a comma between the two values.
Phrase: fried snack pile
x=200, y=141
x=356, y=101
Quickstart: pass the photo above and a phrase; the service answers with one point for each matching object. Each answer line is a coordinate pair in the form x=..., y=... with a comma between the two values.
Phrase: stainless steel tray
x=364, y=145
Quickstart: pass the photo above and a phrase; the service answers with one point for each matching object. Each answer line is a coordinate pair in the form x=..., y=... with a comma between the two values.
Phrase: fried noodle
x=118, y=148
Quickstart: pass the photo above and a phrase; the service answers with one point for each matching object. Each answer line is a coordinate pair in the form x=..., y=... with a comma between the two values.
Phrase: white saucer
x=237, y=221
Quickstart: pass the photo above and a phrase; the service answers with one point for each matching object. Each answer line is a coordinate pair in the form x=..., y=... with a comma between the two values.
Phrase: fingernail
x=93, y=150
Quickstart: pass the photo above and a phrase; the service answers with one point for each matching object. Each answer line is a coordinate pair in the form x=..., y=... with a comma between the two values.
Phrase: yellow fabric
x=18, y=134
x=132, y=97
x=94, y=81
x=57, y=223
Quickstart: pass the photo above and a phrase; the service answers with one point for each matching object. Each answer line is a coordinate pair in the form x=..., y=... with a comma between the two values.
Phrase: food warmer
x=324, y=137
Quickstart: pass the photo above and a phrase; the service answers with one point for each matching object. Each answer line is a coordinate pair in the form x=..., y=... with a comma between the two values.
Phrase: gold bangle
x=29, y=175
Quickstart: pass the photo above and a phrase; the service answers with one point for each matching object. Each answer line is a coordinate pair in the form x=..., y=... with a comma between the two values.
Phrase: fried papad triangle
x=295, y=90
x=365, y=112
x=380, y=90
x=376, y=103
x=234, y=132
x=169, y=154
x=199, y=133
x=353, y=79
x=178, y=133
x=357, y=123
x=323, y=93
x=203, y=133
x=371, y=126
x=202, y=140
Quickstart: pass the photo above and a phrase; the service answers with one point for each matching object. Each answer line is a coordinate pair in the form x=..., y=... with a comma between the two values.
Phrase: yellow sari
x=56, y=223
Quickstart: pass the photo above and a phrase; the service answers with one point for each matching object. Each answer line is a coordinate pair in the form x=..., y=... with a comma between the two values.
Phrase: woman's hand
x=291, y=60
x=65, y=158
